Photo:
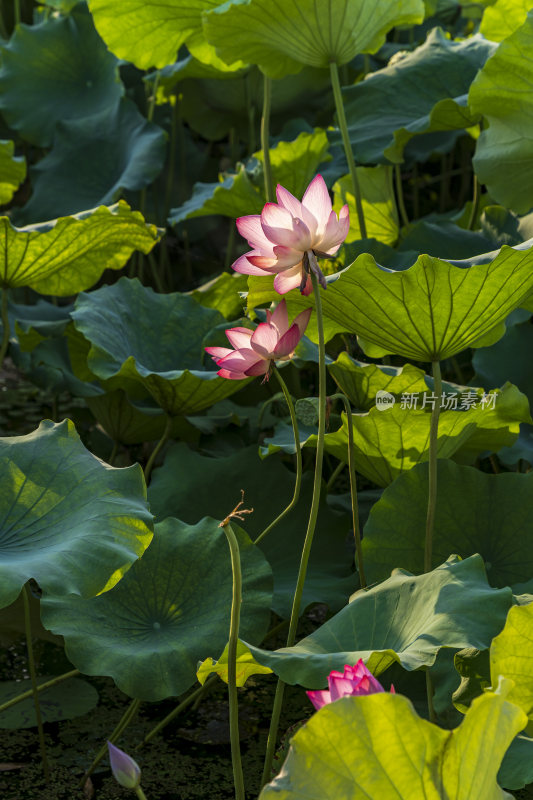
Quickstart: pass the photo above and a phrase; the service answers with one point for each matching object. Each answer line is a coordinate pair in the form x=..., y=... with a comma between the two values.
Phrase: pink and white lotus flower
x=354, y=682
x=254, y=351
x=287, y=237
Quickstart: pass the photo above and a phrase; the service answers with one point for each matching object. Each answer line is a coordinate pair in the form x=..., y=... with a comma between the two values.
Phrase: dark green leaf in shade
x=377, y=747
x=93, y=160
x=476, y=513
x=387, y=109
x=67, y=700
x=55, y=71
x=68, y=520
x=67, y=255
x=502, y=94
x=149, y=632
x=12, y=171
x=268, y=487
x=511, y=356
x=406, y=619
x=153, y=344
x=428, y=312
x=305, y=32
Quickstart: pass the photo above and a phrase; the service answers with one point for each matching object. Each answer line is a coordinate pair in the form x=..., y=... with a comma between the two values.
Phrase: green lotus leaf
x=70, y=522
x=150, y=32
x=12, y=171
x=246, y=666
x=67, y=700
x=305, y=33
x=511, y=653
x=293, y=164
x=497, y=525
x=171, y=609
x=68, y=255
x=428, y=312
x=93, y=160
x=406, y=619
x=370, y=748
x=391, y=440
x=502, y=18
x=379, y=205
x=445, y=239
x=268, y=487
x=386, y=110
x=360, y=382
x=510, y=357
x=55, y=71
x=224, y=294
x=501, y=93
x=516, y=770
x=152, y=342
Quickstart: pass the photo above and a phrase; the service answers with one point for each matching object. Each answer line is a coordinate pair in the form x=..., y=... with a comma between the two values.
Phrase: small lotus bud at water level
x=125, y=770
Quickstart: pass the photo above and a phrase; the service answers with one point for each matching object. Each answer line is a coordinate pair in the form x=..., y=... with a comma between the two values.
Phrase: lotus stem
x=313, y=514
x=155, y=452
x=265, y=139
x=432, y=482
x=5, y=326
x=174, y=713
x=140, y=794
x=41, y=688
x=123, y=723
x=399, y=195
x=33, y=676
x=341, y=116
x=114, y=452
x=298, y=482
x=476, y=196
x=335, y=474
x=238, y=778
x=17, y=12
x=353, y=489
x=171, y=157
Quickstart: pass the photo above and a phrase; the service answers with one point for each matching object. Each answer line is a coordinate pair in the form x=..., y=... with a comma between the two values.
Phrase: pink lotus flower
x=255, y=350
x=288, y=235
x=356, y=681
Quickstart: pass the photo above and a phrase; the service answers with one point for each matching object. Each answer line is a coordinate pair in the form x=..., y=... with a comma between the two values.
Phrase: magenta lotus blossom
x=354, y=682
x=288, y=235
x=254, y=351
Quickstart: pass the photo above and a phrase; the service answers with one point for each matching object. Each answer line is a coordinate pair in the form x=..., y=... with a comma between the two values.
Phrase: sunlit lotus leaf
x=69, y=521
x=511, y=654
x=53, y=71
x=93, y=160
x=12, y=171
x=154, y=342
x=502, y=18
x=502, y=94
x=370, y=748
x=305, y=33
x=150, y=32
x=386, y=110
x=379, y=205
x=67, y=255
x=246, y=666
x=294, y=164
x=224, y=294
x=498, y=525
x=428, y=312
x=406, y=619
x=268, y=487
x=171, y=609
x=388, y=441
x=69, y=699
x=360, y=382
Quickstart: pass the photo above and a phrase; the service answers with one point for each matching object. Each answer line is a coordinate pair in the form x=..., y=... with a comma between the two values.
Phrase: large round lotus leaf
x=428, y=312
x=68, y=255
x=153, y=341
x=300, y=32
x=67, y=700
x=476, y=513
x=386, y=110
x=502, y=18
x=93, y=160
x=68, y=520
x=171, y=610
x=406, y=619
x=377, y=747
x=150, y=32
x=59, y=69
x=268, y=487
x=12, y=171
x=502, y=94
